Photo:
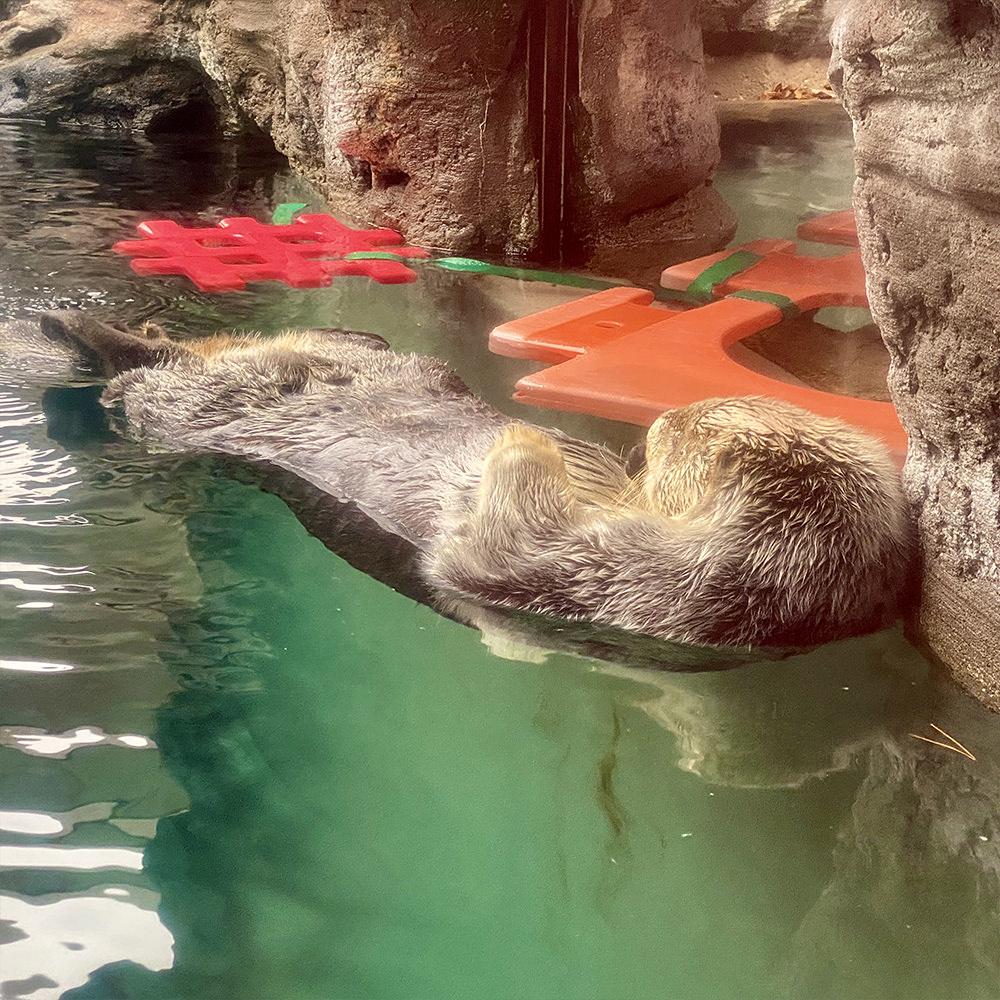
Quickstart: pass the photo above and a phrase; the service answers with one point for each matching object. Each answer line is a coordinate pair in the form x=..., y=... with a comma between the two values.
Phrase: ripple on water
x=33, y=477
x=96, y=569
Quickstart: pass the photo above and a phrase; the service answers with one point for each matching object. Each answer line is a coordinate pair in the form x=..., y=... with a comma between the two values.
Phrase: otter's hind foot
x=118, y=350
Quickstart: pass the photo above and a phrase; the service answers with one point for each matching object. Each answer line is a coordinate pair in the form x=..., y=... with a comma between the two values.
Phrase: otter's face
x=688, y=450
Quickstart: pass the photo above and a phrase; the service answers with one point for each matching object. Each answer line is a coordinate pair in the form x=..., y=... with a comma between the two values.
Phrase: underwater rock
x=922, y=83
x=919, y=851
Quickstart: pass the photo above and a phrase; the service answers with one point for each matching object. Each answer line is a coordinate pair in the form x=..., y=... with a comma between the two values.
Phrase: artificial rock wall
x=921, y=80
x=751, y=45
x=424, y=115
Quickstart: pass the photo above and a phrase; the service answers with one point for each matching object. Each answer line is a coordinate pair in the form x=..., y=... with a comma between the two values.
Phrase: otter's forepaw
x=523, y=466
x=524, y=482
x=519, y=443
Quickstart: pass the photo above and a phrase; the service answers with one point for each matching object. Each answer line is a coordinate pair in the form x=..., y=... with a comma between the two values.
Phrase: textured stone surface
x=425, y=120
x=408, y=114
x=647, y=135
x=921, y=79
x=751, y=45
x=747, y=76
x=792, y=27
x=75, y=60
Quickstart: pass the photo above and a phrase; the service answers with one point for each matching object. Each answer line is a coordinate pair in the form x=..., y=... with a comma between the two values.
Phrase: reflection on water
x=258, y=773
x=70, y=937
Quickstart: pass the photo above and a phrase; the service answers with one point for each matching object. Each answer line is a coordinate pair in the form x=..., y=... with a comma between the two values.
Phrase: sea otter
x=751, y=522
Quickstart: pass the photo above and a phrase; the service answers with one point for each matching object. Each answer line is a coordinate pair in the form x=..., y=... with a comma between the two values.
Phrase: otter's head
x=692, y=450
x=684, y=448
x=113, y=349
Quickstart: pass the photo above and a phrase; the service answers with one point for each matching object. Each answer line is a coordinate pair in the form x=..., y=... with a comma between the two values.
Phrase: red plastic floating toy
x=309, y=253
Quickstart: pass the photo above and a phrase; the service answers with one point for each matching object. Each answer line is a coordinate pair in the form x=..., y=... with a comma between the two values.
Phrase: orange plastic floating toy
x=838, y=228
x=773, y=268
x=616, y=355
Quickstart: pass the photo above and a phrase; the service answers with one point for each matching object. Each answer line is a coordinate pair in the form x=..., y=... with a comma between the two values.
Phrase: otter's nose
x=636, y=461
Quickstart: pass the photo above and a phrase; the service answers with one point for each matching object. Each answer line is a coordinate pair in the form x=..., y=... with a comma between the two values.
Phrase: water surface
x=235, y=767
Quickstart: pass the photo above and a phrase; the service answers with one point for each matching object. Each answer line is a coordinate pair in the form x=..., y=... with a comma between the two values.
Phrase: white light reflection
x=67, y=938
x=38, y=743
x=45, y=588
x=34, y=824
x=26, y=571
x=35, y=666
x=31, y=477
x=19, y=567
x=59, y=856
x=54, y=824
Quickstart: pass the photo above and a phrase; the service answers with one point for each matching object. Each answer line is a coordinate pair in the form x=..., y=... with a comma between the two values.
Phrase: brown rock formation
x=95, y=62
x=753, y=45
x=921, y=80
x=792, y=27
x=646, y=136
x=427, y=116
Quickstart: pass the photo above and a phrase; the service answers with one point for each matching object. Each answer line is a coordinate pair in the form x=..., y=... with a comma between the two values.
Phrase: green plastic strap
x=703, y=286
x=285, y=213
x=463, y=264
x=521, y=273
x=379, y=255
x=472, y=266
x=788, y=308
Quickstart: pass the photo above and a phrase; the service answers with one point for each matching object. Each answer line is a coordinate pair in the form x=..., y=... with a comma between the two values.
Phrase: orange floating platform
x=773, y=268
x=614, y=354
x=838, y=228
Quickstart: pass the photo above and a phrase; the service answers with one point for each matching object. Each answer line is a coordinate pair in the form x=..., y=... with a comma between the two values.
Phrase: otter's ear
x=117, y=350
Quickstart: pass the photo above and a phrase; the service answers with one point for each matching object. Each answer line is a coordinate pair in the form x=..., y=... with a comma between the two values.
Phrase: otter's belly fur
x=753, y=523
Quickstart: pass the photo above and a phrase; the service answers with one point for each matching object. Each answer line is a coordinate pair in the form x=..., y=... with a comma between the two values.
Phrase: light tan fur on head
x=692, y=450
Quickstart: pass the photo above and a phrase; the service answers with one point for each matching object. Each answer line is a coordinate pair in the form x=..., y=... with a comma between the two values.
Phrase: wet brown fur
x=753, y=522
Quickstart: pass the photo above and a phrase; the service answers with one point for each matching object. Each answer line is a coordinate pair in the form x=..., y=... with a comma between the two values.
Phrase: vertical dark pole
x=551, y=75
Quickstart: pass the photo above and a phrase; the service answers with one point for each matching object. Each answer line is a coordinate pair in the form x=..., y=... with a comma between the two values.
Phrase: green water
x=235, y=767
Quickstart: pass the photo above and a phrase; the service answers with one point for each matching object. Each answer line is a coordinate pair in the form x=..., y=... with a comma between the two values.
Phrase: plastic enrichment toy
x=306, y=253
x=616, y=355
